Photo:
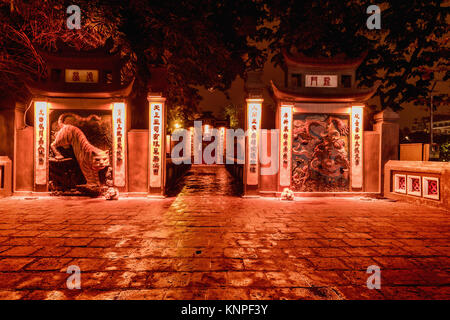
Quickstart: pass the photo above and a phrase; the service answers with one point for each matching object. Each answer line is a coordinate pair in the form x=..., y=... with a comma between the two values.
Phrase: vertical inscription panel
x=156, y=143
x=41, y=142
x=357, y=147
x=253, y=127
x=119, y=123
x=285, y=145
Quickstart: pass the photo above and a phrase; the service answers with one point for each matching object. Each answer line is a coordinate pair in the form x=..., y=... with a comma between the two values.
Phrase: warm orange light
x=357, y=146
x=221, y=146
x=41, y=142
x=285, y=145
x=81, y=76
x=254, y=107
x=191, y=141
x=119, y=145
x=156, y=142
x=168, y=141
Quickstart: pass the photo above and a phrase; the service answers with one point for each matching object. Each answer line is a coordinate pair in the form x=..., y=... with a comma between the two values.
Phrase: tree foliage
x=27, y=26
x=406, y=55
x=209, y=43
x=200, y=43
x=235, y=114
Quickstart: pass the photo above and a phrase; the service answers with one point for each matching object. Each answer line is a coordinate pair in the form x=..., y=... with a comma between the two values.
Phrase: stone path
x=209, y=244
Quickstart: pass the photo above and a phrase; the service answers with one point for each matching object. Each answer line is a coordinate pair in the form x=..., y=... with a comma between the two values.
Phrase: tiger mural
x=90, y=159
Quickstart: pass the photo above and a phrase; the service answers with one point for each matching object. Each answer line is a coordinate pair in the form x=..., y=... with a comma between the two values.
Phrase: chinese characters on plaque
x=254, y=119
x=41, y=114
x=357, y=147
x=285, y=146
x=81, y=76
x=156, y=134
x=221, y=146
x=321, y=81
x=357, y=137
x=119, y=136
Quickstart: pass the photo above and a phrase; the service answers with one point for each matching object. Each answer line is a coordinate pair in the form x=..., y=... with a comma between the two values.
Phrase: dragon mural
x=320, y=158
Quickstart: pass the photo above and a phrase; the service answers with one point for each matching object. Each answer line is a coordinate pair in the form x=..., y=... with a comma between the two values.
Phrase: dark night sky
x=215, y=101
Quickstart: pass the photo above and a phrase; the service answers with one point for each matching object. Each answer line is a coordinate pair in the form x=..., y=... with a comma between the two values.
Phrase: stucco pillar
x=388, y=127
x=253, y=124
x=23, y=162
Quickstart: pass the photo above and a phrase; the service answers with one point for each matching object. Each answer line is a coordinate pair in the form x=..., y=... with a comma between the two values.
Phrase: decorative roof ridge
x=78, y=54
x=37, y=88
x=338, y=61
x=342, y=94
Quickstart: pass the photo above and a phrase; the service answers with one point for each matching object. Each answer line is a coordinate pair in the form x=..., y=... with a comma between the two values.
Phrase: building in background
x=441, y=125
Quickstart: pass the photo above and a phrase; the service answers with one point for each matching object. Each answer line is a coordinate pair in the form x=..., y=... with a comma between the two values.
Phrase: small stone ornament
x=111, y=194
x=287, y=194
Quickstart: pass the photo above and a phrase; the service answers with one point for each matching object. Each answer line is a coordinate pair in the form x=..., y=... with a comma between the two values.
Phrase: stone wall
x=420, y=182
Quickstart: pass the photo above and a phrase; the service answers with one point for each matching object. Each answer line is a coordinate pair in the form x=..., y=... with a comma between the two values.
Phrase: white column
x=357, y=147
x=119, y=145
x=285, y=147
x=254, y=109
x=41, y=142
x=157, y=143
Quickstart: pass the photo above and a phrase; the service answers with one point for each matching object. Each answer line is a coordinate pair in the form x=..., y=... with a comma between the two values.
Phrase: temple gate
x=323, y=140
x=81, y=141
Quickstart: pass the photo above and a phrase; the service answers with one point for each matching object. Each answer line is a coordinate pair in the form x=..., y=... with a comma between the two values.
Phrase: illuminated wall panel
x=156, y=141
x=119, y=145
x=41, y=142
x=285, y=145
x=191, y=143
x=220, y=146
x=254, y=107
x=357, y=146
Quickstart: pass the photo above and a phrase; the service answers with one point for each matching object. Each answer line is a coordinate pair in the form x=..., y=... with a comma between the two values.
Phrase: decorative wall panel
x=80, y=151
x=320, y=155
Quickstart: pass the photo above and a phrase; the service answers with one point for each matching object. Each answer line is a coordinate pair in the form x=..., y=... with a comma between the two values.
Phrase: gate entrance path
x=207, y=180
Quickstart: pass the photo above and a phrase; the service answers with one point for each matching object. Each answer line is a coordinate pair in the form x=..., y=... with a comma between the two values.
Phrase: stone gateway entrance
x=80, y=125
x=319, y=138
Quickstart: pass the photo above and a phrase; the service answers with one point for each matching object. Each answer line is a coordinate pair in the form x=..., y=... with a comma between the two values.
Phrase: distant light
x=177, y=125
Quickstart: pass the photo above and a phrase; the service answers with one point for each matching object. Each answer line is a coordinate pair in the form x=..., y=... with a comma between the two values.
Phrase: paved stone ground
x=208, y=244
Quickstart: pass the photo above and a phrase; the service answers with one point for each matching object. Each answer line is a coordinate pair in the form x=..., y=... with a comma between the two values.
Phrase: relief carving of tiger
x=90, y=159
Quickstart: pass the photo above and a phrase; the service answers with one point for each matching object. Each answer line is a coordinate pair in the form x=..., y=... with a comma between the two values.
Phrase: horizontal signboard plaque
x=321, y=81
x=81, y=76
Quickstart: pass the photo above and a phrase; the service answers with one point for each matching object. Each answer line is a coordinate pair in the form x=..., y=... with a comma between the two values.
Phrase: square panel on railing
x=414, y=186
x=431, y=188
x=400, y=183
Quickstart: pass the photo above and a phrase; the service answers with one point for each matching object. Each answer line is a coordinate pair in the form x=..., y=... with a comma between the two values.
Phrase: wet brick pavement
x=207, y=243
